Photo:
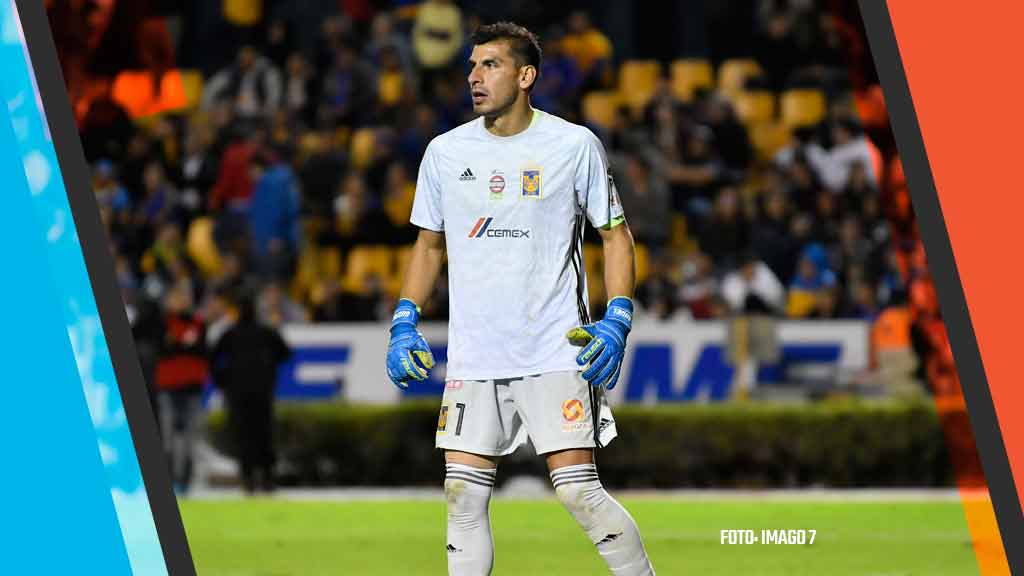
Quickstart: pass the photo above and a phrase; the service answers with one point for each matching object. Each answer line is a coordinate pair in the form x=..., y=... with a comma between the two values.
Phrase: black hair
x=523, y=44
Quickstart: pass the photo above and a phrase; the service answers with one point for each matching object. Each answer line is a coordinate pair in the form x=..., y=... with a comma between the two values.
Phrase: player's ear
x=527, y=76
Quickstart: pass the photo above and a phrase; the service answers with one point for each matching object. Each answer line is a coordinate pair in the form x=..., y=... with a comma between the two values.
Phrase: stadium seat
x=802, y=107
x=402, y=255
x=768, y=138
x=733, y=74
x=201, y=247
x=364, y=262
x=599, y=108
x=690, y=75
x=680, y=237
x=756, y=106
x=361, y=149
x=638, y=80
x=330, y=263
x=192, y=85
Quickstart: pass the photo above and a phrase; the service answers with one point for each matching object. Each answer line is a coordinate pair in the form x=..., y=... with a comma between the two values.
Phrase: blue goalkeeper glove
x=604, y=343
x=409, y=357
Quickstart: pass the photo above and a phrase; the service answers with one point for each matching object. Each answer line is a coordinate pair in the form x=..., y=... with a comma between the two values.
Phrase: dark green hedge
x=668, y=446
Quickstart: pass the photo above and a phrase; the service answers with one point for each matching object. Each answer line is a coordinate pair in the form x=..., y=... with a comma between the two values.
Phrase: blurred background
x=254, y=163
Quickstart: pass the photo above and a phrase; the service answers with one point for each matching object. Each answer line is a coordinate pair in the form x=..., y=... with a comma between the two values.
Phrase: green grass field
x=278, y=537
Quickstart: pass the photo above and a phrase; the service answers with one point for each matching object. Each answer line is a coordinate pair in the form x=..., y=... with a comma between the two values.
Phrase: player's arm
x=409, y=356
x=424, y=266
x=619, y=260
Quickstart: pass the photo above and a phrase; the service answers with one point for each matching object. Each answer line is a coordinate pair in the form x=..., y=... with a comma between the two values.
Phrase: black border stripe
x=468, y=478
x=941, y=263
x=100, y=267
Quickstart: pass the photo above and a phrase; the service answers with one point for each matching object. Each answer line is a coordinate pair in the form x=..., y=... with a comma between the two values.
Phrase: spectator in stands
x=358, y=218
x=181, y=371
x=777, y=50
x=729, y=135
x=556, y=90
x=300, y=89
x=698, y=290
x=589, y=48
x=274, y=216
x=384, y=36
x=321, y=174
x=813, y=277
x=275, y=307
x=753, y=289
x=198, y=170
x=252, y=83
x=245, y=362
x=656, y=294
x=849, y=147
x=159, y=201
x=725, y=234
x=696, y=175
x=645, y=196
x=110, y=195
x=348, y=88
x=770, y=235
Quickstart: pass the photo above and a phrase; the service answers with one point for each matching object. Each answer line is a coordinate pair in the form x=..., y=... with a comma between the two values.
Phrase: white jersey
x=511, y=209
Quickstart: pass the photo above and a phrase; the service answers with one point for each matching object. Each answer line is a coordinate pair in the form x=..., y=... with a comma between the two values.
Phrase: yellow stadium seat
x=600, y=108
x=330, y=263
x=756, y=106
x=364, y=262
x=361, y=150
x=802, y=107
x=192, y=85
x=638, y=80
x=643, y=262
x=733, y=74
x=201, y=247
x=768, y=138
x=690, y=75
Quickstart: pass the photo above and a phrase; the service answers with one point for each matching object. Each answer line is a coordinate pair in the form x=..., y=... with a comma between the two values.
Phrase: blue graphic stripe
x=104, y=523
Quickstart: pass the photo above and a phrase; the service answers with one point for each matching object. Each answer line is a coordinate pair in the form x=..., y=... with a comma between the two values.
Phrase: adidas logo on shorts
x=467, y=176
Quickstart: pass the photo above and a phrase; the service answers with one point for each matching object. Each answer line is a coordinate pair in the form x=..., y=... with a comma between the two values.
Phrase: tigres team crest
x=531, y=183
x=572, y=410
x=442, y=419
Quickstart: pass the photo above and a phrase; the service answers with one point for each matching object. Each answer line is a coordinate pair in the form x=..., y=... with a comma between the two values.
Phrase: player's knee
x=574, y=497
x=465, y=509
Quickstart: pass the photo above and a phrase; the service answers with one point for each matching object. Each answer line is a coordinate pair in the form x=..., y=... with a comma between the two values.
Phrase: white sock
x=604, y=520
x=470, y=547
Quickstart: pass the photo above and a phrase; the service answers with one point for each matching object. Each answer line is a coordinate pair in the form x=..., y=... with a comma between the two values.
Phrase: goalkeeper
x=505, y=197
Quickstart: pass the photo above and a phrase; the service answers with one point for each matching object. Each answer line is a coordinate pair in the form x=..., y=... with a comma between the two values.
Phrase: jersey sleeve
x=426, y=206
x=595, y=187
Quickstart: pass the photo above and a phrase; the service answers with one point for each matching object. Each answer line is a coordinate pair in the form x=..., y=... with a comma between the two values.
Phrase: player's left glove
x=409, y=356
x=604, y=343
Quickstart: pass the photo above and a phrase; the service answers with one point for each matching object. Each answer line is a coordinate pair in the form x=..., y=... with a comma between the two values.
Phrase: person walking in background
x=245, y=362
x=181, y=370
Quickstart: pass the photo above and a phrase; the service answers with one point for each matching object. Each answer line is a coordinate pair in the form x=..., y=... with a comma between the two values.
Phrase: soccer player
x=505, y=197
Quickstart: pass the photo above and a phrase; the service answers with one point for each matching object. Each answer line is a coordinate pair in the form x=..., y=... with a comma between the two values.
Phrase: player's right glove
x=604, y=343
x=409, y=357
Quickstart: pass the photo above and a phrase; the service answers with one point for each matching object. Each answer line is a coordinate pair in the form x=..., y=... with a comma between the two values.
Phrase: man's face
x=494, y=78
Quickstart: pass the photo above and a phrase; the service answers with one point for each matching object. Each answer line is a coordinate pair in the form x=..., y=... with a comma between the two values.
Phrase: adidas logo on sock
x=452, y=549
x=609, y=538
x=467, y=176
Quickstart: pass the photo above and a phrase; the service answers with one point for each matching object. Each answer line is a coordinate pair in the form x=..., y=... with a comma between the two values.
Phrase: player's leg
x=476, y=426
x=608, y=525
x=558, y=409
x=468, y=482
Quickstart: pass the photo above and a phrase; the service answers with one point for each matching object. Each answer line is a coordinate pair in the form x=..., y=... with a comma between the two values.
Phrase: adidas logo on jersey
x=467, y=176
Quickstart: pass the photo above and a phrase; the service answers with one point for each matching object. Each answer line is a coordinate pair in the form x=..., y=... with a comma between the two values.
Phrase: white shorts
x=495, y=417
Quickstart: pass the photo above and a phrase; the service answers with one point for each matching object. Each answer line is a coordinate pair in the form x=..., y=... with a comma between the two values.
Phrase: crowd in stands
x=751, y=185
